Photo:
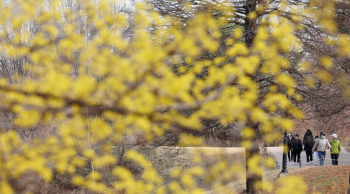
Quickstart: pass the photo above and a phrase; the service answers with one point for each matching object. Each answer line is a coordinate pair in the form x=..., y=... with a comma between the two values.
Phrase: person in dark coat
x=308, y=145
x=308, y=133
x=297, y=147
x=290, y=138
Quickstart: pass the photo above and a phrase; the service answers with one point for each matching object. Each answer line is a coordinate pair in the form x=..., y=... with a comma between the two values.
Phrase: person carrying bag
x=322, y=144
x=308, y=145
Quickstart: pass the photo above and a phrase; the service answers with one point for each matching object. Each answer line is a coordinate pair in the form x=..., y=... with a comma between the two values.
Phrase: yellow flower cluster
x=103, y=77
x=15, y=160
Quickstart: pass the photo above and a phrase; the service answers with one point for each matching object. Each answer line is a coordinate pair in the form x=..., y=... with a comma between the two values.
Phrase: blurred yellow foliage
x=99, y=85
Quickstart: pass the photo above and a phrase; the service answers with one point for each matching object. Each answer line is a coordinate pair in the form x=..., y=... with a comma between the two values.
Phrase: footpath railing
x=265, y=156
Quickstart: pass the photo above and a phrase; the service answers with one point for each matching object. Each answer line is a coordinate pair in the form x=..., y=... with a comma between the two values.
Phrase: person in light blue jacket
x=315, y=152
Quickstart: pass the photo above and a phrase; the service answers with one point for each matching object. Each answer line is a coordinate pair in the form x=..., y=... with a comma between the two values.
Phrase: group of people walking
x=315, y=148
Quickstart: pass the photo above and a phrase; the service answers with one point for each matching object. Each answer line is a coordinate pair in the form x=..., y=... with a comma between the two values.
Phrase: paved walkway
x=223, y=150
x=344, y=158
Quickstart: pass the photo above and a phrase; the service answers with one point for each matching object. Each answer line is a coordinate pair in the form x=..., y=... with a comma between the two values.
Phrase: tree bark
x=249, y=23
x=250, y=26
x=252, y=178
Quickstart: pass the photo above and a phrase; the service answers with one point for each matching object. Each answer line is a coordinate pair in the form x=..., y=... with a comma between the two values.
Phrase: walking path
x=344, y=158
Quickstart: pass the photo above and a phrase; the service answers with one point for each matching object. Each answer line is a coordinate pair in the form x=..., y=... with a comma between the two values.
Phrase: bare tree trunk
x=6, y=67
x=249, y=35
x=249, y=23
x=252, y=178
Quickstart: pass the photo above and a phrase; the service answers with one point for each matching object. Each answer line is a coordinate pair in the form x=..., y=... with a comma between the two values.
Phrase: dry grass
x=329, y=179
x=164, y=159
x=325, y=180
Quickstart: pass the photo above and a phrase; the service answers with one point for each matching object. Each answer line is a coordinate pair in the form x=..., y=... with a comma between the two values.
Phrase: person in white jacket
x=322, y=144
